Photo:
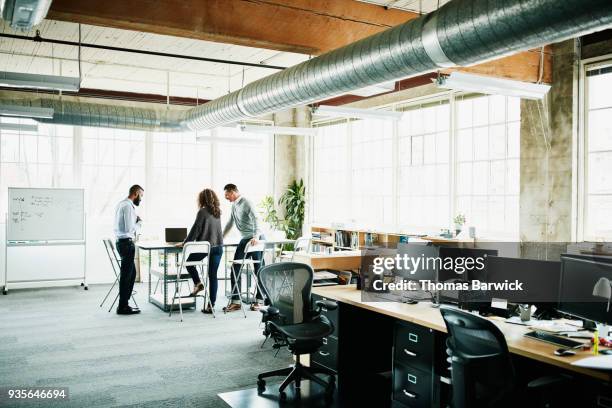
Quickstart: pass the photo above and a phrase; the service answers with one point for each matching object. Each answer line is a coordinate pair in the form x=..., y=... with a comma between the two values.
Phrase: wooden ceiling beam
x=303, y=26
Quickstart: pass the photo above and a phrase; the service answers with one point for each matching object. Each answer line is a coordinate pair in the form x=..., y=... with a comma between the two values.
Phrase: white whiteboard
x=45, y=214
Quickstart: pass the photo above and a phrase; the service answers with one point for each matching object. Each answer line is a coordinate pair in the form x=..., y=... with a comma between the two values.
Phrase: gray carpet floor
x=60, y=337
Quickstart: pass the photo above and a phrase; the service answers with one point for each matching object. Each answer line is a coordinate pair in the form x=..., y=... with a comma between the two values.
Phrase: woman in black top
x=207, y=227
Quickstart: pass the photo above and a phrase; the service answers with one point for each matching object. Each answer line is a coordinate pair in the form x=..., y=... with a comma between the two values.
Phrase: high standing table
x=161, y=300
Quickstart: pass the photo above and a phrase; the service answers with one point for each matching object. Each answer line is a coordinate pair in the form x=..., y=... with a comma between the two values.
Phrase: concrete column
x=284, y=153
x=547, y=135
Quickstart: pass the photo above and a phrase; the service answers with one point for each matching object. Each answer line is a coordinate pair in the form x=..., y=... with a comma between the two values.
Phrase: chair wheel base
x=261, y=386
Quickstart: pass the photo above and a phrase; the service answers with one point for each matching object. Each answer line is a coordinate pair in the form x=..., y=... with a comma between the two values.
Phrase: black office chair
x=287, y=285
x=482, y=373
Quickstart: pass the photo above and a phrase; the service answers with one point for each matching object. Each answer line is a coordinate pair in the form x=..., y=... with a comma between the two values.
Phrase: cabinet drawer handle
x=324, y=354
x=410, y=353
x=413, y=337
x=408, y=394
x=412, y=378
x=324, y=340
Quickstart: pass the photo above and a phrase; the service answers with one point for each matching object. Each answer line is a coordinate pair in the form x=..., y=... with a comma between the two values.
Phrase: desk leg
x=165, y=280
x=149, y=252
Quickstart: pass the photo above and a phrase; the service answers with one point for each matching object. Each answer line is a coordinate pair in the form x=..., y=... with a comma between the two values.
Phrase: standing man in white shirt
x=127, y=225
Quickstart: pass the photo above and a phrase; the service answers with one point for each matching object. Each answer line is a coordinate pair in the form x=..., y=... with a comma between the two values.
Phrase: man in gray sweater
x=243, y=216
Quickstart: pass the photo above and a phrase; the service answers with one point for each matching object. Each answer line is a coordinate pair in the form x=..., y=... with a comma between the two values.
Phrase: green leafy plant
x=294, y=201
x=459, y=219
x=269, y=213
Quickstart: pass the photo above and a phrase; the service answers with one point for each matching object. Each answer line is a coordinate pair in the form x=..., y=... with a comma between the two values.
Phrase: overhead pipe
x=460, y=33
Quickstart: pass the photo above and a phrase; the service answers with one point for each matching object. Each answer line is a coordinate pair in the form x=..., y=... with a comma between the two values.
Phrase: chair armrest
x=326, y=304
x=270, y=311
x=549, y=381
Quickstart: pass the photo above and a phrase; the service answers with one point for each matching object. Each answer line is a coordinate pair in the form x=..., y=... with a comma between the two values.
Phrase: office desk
x=165, y=276
x=425, y=315
x=340, y=260
x=365, y=344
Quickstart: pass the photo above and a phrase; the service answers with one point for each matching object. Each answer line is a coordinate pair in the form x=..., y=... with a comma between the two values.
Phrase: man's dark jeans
x=127, y=251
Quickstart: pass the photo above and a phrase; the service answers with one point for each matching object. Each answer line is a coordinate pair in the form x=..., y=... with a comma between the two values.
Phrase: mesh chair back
x=481, y=366
x=287, y=285
x=473, y=335
x=196, y=247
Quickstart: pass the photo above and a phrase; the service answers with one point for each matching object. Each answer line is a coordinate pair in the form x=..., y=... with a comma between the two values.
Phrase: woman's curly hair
x=209, y=200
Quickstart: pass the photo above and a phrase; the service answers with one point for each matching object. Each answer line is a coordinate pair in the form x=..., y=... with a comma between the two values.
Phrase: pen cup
x=525, y=312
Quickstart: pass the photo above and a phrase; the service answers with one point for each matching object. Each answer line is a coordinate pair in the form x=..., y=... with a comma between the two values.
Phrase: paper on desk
x=599, y=362
x=517, y=320
x=553, y=326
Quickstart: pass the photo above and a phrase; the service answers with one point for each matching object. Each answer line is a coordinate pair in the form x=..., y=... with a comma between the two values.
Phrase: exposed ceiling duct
x=461, y=33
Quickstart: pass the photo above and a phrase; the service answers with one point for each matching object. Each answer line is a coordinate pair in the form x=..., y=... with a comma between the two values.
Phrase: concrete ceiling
x=127, y=72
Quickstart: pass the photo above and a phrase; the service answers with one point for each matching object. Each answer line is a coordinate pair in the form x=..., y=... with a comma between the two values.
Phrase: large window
x=597, y=165
x=371, y=171
x=449, y=155
x=172, y=168
x=487, y=181
x=330, y=173
x=423, y=186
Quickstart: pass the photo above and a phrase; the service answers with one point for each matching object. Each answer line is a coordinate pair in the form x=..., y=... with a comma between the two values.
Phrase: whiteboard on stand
x=45, y=214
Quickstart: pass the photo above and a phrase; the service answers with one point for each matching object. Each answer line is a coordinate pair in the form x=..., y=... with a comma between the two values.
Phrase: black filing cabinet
x=413, y=366
x=327, y=355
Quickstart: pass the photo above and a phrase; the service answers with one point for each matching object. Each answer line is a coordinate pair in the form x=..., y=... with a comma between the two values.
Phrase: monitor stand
x=545, y=312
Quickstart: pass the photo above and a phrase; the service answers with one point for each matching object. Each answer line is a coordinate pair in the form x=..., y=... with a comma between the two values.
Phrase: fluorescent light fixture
x=18, y=127
x=341, y=111
x=52, y=82
x=24, y=14
x=374, y=89
x=26, y=112
x=460, y=81
x=279, y=130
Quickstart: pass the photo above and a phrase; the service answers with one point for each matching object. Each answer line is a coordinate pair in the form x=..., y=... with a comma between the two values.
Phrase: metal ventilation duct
x=461, y=33
x=101, y=115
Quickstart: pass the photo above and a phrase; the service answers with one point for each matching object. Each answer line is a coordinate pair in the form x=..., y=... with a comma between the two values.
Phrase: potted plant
x=294, y=202
x=269, y=213
x=459, y=221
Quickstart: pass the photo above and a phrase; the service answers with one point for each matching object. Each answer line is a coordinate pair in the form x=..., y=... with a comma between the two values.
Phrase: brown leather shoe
x=197, y=289
x=232, y=307
x=207, y=310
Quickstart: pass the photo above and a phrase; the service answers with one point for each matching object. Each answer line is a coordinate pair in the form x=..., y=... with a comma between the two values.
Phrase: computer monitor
x=456, y=256
x=540, y=280
x=176, y=234
x=586, y=288
x=425, y=269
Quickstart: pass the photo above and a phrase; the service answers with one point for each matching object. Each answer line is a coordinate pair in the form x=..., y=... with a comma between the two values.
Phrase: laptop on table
x=175, y=235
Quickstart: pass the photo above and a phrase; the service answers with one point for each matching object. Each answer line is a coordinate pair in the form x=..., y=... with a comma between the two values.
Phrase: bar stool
x=201, y=250
x=247, y=266
x=115, y=261
x=302, y=244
